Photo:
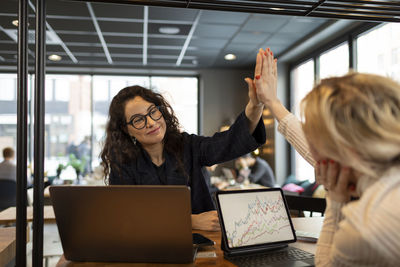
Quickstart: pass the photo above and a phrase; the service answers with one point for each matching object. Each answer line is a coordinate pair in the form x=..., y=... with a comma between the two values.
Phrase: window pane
x=302, y=79
x=8, y=87
x=62, y=88
x=49, y=89
x=335, y=62
x=182, y=94
x=8, y=112
x=104, y=89
x=302, y=83
x=67, y=121
x=378, y=51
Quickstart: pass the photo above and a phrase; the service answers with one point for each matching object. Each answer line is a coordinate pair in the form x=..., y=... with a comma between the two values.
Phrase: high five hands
x=262, y=89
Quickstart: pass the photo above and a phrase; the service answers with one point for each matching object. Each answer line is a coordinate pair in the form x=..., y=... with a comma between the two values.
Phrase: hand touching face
x=340, y=181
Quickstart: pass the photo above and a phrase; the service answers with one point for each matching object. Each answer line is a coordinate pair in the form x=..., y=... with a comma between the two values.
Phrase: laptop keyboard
x=257, y=260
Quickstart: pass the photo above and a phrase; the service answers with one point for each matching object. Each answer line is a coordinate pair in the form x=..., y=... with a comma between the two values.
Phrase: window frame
x=350, y=38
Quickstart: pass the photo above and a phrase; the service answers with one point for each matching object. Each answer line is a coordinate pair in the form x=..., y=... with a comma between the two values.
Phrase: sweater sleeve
x=333, y=216
x=290, y=128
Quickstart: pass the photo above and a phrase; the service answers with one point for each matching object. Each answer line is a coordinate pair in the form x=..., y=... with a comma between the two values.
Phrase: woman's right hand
x=265, y=83
x=207, y=221
x=266, y=77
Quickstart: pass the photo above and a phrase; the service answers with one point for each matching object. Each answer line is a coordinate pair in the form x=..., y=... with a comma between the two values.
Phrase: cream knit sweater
x=365, y=232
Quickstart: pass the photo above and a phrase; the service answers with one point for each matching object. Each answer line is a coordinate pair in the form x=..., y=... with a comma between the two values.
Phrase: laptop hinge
x=247, y=251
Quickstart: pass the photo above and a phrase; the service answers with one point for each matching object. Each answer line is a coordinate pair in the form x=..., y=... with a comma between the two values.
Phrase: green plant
x=60, y=168
x=77, y=164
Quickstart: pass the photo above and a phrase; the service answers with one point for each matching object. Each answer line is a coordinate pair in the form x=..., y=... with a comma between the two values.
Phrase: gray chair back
x=8, y=194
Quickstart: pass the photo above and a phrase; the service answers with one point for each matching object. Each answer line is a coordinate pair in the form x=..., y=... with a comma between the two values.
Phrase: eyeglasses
x=139, y=121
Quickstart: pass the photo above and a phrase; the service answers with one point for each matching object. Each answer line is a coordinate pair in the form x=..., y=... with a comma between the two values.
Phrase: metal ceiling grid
x=378, y=10
x=93, y=34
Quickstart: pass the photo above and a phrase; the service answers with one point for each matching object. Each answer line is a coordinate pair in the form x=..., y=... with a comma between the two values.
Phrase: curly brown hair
x=118, y=147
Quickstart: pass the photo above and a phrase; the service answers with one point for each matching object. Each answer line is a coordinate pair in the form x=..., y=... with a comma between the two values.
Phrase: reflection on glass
x=378, y=51
x=302, y=79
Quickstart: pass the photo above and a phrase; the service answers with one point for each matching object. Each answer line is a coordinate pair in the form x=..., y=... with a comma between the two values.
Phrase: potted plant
x=78, y=165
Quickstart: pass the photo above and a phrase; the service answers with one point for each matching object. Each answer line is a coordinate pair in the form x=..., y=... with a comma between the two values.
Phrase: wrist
x=273, y=103
x=277, y=109
x=255, y=107
x=194, y=221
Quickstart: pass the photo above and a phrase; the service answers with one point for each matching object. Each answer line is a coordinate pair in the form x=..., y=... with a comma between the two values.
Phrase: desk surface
x=9, y=215
x=313, y=224
x=7, y=245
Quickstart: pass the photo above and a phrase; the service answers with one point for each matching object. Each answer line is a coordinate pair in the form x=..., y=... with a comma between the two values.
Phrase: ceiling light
x=169, y=30
x=277, y=8
x=55, y=57
x=230, y=57
x=15, y=23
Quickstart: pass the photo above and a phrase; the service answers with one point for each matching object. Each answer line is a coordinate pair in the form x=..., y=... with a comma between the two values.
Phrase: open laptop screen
x=254, y=217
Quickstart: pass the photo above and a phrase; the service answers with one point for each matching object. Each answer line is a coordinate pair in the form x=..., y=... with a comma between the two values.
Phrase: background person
x=8, y=169
x=259, y=170
x=145, y=146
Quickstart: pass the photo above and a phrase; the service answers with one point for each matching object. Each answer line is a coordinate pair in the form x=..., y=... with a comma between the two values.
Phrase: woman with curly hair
x=144, y=146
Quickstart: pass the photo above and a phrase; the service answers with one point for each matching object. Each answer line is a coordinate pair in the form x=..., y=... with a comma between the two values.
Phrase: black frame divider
x=361, y=10
x=267, y=7
x=22, y=137
x=38, y=197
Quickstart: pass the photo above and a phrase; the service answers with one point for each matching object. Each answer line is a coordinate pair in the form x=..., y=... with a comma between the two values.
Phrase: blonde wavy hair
x=355, y=120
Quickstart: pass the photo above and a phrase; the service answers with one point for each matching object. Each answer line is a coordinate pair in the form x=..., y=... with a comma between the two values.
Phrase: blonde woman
x=352, y=125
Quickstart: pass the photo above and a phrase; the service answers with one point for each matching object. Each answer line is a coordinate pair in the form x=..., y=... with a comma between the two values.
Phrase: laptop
x=256, y=229
x=124, y=223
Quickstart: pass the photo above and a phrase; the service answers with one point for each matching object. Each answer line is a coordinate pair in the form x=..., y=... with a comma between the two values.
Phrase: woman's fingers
x=258, y=68
x=343, y=179
x=332, y=174
x=323, y=167
x=250, y=84
x=317, y=171
x=275, y=67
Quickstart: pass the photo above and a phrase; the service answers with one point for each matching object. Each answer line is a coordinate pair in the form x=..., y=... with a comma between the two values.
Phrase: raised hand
x=251, y=83
x=263, y=88
x=266, y=76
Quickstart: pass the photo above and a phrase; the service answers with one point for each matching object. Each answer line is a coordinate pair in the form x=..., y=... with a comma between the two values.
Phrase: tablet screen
x=254, y=217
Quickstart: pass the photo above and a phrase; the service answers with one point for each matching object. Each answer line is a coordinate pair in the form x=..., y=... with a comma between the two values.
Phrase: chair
x=8, y=194
x=305, y=203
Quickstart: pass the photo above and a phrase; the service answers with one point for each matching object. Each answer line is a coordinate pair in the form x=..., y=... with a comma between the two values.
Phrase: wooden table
x=313, y=224
x=7, y=245
x=8, y=216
